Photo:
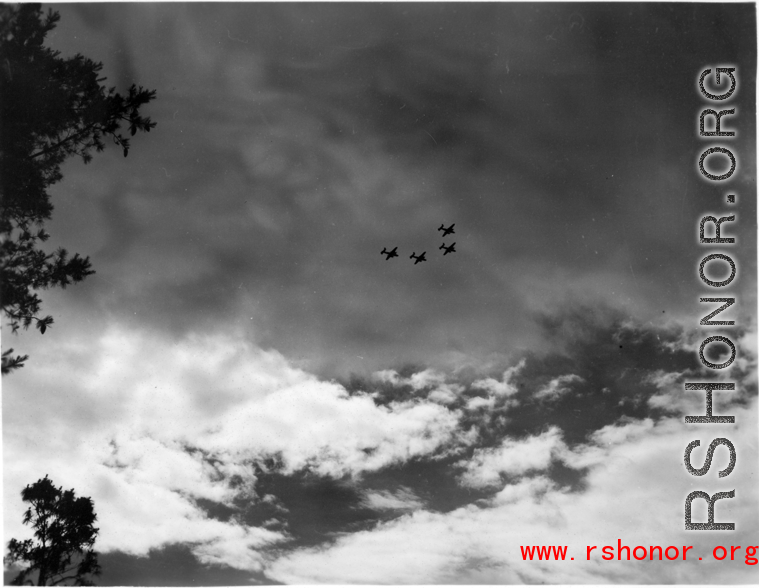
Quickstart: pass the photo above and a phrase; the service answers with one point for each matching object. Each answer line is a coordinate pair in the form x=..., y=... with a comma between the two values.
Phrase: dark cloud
x=174, y=565
x=296, y=141
x=608, y=362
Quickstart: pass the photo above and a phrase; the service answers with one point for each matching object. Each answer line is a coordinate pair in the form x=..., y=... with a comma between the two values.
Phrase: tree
x=64, y=534
x=50, y=109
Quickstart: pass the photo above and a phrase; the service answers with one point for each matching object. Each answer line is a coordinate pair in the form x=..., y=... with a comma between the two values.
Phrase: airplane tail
x=413, y=255
x=441, y=228
x=442, y=246
x=383, y=251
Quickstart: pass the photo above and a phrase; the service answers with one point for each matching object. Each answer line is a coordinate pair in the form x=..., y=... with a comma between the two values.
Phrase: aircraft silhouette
x=447, y=231
x=389, y=254
x=448, y=249
x=418, y=258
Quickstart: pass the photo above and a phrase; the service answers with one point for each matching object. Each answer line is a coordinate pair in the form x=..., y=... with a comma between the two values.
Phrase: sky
x=251, y=393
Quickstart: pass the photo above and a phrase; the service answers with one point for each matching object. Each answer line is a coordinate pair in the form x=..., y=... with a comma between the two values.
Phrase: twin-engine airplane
x=418, y=258
x=393, y=253
x=448, y=249
x=447, y=231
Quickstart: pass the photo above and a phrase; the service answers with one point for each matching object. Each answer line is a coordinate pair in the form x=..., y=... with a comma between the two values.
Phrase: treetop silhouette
x=51, y=108
x=64, y=535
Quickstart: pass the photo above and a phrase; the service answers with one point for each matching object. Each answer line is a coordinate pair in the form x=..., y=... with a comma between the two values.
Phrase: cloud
x=138, y=512
x=558, y=387
x=186, y=436
x=320, y=427
x=512, y=457
x=432, y=384
x=478, y=402
x=150, y=428
x=634, y=491
x=388, y=376
x=399, y=500
x=671, y=395
x=503, y=387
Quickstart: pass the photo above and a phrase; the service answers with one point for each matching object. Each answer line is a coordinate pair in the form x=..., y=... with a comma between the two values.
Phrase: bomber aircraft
x=393, y=253
x=448, y=249
x=447, y=231
x=418, y=258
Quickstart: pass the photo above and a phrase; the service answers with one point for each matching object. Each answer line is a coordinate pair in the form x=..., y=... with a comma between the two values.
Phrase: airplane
x=418, y=258
x=447, y=231
x=448, y=249
x=389, y=254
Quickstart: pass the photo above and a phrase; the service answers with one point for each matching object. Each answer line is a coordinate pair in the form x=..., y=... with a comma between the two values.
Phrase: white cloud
x=513, y=457
x=147, y=426
x=137, y=512
x=672, y=396
x=504, y=387
x=477, y=402
x=441, y=391
x=426, y=378
x=390, y=376
x=558, y=387
x=634, y=491
x=132, y=420
x=319, y=425
x=402, y=499
x=495, y=387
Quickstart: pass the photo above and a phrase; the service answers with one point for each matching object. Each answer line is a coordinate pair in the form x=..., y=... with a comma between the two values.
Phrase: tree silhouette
x=50, y=109
x=64, y=534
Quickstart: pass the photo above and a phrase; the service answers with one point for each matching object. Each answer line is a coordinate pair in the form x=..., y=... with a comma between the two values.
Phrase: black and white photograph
x=386, y=293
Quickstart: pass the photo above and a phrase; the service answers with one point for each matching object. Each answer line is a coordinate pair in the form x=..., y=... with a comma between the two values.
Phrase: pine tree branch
x=60, y=143
x=56, y=582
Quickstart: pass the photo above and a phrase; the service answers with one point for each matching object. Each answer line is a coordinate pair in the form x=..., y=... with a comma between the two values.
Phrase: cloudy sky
x=251, y=393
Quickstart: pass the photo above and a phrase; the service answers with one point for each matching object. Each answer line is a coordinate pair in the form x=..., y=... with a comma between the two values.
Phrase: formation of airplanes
x=421, y=257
